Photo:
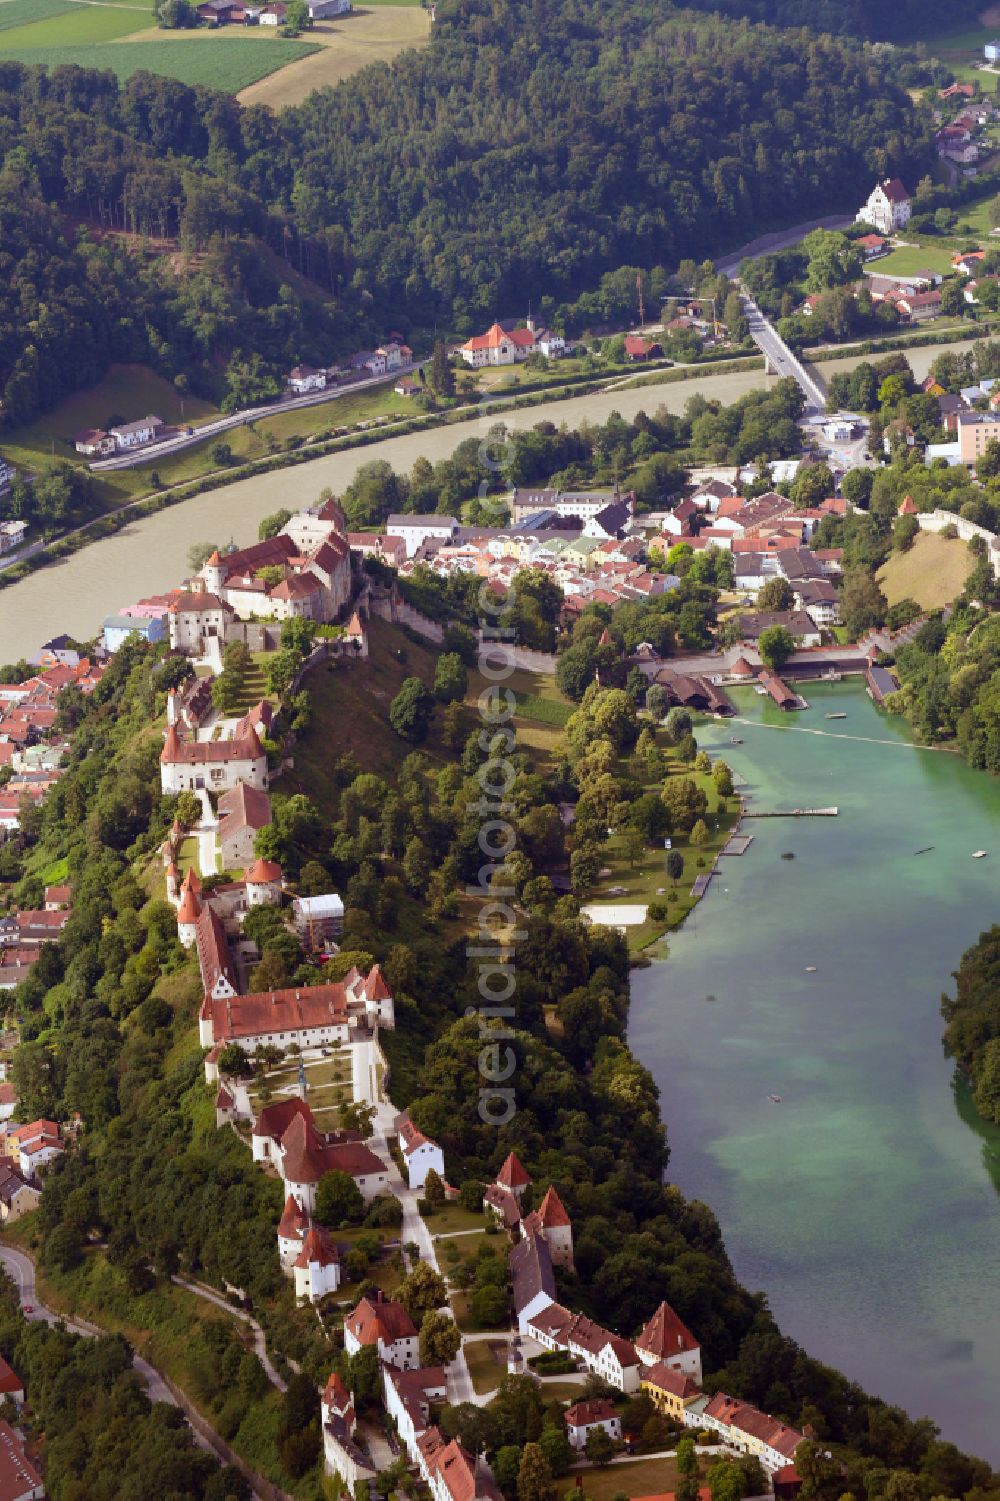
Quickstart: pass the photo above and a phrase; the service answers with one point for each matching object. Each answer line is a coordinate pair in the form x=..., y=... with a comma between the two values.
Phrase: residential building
x=583, y=1417
x=34, y=1146
x=307, y=1154
x=638, y=348
x=455, y=1475
x=304, y=378
x=796, y=622
x=11, y=1384
x=747, y=1429
x=217, y=765
x=607, y=1355
x=975, y=430
x=341, y=1453
x=16, y=1196
x=887, y=207
x=670, y=1390
x=384, y=1323
x=134, y=434
x=420, y=1153
x=414, y=531
x=243, y=811
x=118, y=628
x=991, y=52
x=408, y=1396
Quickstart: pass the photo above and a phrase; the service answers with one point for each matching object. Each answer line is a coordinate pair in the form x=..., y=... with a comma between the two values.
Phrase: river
x=150, y=555
x=866, y=1203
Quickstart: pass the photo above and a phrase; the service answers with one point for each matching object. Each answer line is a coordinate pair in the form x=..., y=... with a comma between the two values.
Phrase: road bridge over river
x=780, y=359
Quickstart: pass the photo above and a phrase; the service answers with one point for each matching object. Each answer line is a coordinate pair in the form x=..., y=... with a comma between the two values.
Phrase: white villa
x=888, y=206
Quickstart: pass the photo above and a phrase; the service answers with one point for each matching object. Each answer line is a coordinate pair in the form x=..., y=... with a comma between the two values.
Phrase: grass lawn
x=217, y=62
x=640, y=1477
x=72, y=26
x=341, y=411
x=932, y=572
x=486, y=1371
x=343, y=45
x=350, y=706
x=461, y=1248
x=647, y=881
x=451, y=1217
x=913, y=258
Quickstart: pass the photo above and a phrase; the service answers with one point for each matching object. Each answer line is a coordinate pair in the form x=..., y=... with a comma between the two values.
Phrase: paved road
x=240, y=419
x=22, y=1270
x=781, y=359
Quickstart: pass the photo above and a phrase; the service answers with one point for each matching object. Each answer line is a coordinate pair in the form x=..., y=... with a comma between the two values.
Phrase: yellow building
x=671, y=1391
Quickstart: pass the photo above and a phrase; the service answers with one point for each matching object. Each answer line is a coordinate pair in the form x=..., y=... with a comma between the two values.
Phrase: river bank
x=866, y=1204
x=149, y=554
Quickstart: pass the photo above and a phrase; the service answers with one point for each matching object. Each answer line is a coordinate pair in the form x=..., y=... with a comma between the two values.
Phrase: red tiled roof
x=10, y=1381
x=552, y=1211
x=665, y=1335
x=294, y=1222
x=666, y=1379
x=274, y=1120
x=583, y=1414
x=317, y=1248
x=263, y=871
x=291, y=1010
x=200, y=752
x=379, y=1318
x=513, y=1173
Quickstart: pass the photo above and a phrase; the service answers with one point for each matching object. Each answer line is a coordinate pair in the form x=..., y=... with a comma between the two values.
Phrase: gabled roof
x=530, y=1264
x=666, y=1379
x=263, y=872
x=274, y=1120
x=583, y=1414
x=379, y=1318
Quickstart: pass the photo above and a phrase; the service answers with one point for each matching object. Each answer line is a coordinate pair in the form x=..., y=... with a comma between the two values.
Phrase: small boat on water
x=810, y=969
x=775, y=1099
x=979, y=854
x=925, y=851
x=835, y=716
x=735, y=740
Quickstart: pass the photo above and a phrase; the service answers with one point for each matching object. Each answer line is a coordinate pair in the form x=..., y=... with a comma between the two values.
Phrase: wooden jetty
x=738, y=844
x=701, y=884
x=792, y=813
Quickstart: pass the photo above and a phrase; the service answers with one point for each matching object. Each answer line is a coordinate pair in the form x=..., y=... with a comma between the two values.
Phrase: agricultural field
x=370, y=34
x=933, y=571
x=53, y=32
x=20, y=12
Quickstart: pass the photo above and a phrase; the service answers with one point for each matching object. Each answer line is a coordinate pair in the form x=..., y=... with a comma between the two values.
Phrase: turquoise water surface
x=867, y=1203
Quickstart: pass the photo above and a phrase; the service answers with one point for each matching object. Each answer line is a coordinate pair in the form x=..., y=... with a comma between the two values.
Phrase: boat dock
x=792, y=813
x=701, y=884
x=738, y=844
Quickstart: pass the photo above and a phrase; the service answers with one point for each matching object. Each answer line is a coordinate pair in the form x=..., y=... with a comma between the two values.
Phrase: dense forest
x=973, y=1016
x=519, y=158
x=875, y=19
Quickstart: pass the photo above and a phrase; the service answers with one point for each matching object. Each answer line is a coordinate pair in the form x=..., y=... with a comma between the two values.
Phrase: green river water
x=867, y=1203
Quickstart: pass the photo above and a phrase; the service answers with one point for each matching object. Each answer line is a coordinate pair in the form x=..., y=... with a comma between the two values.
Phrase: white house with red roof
x=307, y=1154
x=453, y=1474
x=316, y=1269
x=384, y=1323
x=420, y=1153
x=409, y=1396
x=666, y=1338
x=34, y=1146
x=583, y=1417
x=498, y=346
x=11, y=1384
x=216, y=765
x=887, y=207
x=747, y=1429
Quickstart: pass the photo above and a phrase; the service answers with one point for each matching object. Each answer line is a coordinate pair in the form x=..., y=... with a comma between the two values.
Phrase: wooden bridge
x=793, y=813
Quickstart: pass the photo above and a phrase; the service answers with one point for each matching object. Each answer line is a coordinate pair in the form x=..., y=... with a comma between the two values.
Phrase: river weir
x=868, y=1207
